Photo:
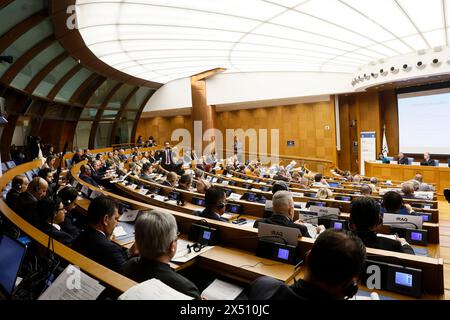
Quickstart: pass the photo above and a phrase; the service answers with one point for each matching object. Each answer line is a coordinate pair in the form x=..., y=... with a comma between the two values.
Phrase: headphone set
x=17, y=186
x=349, y=292
x=196, y=247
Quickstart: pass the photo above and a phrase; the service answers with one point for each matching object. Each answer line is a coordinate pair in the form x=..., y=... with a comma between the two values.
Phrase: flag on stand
x=384, y=148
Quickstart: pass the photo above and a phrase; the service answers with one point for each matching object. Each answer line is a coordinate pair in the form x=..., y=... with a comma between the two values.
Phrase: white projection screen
x=424, y=121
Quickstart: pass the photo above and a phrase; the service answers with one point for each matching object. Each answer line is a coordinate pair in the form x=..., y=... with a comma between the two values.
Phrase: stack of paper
x=73, y=284
x=153, y=289
x=234, y=196
x=220, y=290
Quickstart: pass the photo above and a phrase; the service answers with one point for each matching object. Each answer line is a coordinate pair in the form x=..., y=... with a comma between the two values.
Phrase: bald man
x=26, y=204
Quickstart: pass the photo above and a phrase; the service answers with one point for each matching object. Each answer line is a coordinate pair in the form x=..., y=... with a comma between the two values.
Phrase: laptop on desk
x=12, y=253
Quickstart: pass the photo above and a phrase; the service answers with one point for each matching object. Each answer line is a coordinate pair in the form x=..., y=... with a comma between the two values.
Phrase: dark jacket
x=280, y=177
x=89, y=180
x=403, y=160
x=307, y=291
x=267, y=288
x=11, y=198
x=166, y=183
x=371, y=240
x=26, y=206
x=94, y=245
x=428, y=163
x=282, y=220
x=209, y=214
x=141, y=269
x=69, y=225
x=76, y=158
x=58, y=235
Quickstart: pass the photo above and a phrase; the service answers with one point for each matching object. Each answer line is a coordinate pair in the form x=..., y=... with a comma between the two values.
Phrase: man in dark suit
x=47, y=175
x=427, y=161
x=171, y=180
x=26, y=203
x=50, y=214
x=331, y=271
x=77, y=157
x=73, y=222
x=156, y=236
x=166, y=157
x=19, y=185
x=283, y=213
x=95, y=241
x=402, y=159
x=215, y=202
x=85, y=175
x=365, y=218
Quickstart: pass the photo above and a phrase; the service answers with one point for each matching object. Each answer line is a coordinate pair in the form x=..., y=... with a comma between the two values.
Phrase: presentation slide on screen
x=424, y=121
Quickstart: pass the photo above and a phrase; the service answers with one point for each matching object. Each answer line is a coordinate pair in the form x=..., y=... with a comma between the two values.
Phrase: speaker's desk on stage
x=438, y=175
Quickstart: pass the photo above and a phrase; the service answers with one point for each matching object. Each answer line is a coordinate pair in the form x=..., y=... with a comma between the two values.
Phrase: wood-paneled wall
x=370, y=111
x=161, y=128
x=311, y=126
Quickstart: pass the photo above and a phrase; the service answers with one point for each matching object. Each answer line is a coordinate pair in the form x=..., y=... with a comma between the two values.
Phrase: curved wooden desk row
x=344, y=206
x=251, y=209
x=213, y=259
x=438, y=175
x=348, y=189
x=104, y=151
x=106, y=276
x=246, y=239
x=297, y=188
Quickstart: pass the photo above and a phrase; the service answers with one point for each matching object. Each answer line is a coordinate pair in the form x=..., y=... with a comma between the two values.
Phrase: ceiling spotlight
x=394, y=70
x=406, y=68
x=374, y=75
x=367, y=77
x=436, y=62
x=420, y=65
x=384, y=72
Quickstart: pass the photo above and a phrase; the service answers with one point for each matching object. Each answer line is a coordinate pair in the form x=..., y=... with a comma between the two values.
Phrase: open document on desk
x=73, y=284
x=153, y=289
x=124, y=232
x=221, y=290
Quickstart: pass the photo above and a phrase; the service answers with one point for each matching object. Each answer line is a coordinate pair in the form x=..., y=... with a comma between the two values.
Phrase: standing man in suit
x=156, y=237
x=427, y=161
x=166, y=157
x=95, y=241
x=402, y=159
x=238, y=150
x=364, y=221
